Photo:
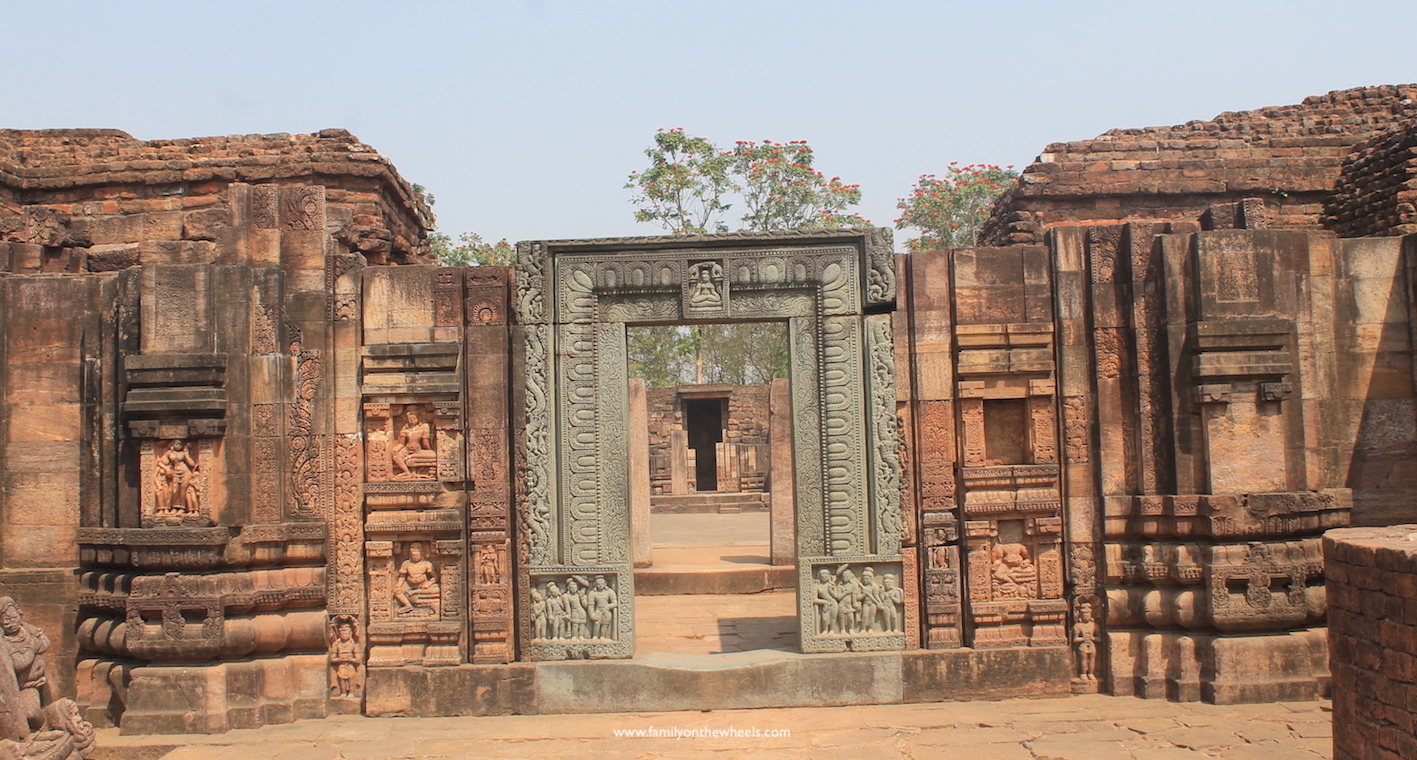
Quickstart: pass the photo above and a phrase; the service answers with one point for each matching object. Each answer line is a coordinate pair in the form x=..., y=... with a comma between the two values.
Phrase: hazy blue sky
x=524, y=118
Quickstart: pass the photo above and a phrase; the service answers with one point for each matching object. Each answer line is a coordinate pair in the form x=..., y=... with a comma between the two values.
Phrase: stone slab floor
x=1092, y=727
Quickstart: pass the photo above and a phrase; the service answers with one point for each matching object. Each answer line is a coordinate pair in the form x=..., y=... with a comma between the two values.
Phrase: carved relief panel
x=855, y=604
x=175, y=486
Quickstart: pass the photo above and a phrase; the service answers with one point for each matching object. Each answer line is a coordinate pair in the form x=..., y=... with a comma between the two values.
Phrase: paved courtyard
x=1090, y=727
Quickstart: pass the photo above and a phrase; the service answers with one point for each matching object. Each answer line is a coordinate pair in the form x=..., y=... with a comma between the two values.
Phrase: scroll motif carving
x=885, y=461
x=1076, y=438
x=305, y=448
x=264, y=326
x=842, y=436
x=531, y=282
x=880, y=277
x=305, y=208
x=971, y=412
x=348, y=524
x=265, y=204
x=1109, y=352
x=1044, y=439
x=345, y=307
x=536, y=514
x=1103, y=243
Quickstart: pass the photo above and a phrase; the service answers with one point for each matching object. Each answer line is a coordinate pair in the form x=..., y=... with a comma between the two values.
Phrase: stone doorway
x=575, y=300
x=714, y=555
x=704, y=421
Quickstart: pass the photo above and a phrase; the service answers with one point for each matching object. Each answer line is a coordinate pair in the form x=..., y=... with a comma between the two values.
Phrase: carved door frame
x=574, y=301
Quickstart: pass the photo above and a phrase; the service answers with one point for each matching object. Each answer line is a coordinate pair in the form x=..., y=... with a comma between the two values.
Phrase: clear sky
x=524, y=118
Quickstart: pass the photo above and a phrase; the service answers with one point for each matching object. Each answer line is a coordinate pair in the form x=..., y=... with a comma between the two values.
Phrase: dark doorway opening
x=703, y=419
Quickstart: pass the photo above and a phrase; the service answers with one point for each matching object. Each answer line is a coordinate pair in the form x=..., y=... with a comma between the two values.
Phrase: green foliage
x=949, y=212
x=739, y=354
x=782, y=191
x=683, y=188
x=660, y=355
x=471, y=250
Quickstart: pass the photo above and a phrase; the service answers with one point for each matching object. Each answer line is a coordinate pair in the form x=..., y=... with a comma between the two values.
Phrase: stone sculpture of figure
x=826, y=602
x=413, y=452
x=1085, y=637
x=417, y=585
x=344, y=657
x=487, y=564
x=848, y=595
x=1014, y=573
x=892, y=599
x=602, y=609
x=175, y=471
x=557, y=614
x=24, y=689
x=704, y=293
x=870, y=602
x=32, y=727
x=539, y=623
x=576, y=616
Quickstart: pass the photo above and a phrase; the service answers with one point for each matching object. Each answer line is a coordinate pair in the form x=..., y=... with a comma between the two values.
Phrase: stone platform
x=666, y=681
x=697, y=553
x=1091, y=727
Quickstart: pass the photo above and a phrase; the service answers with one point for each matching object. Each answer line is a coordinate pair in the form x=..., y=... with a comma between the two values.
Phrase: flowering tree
x=683, y=187
x=782, y=191
x=471, y=250
x=949, y=212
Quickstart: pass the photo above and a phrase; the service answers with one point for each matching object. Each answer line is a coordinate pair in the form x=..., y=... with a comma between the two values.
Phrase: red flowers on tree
x=949, y=212
x=688, y=177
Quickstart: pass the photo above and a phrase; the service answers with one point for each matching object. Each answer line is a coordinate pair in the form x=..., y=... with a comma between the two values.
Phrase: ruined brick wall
x=1289, y=157
x=96, y=194
x=1372, y=610
x=746, y=423
x=1377, y=192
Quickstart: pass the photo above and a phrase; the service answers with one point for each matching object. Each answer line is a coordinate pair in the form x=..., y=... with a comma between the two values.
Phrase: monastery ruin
x=264, y=460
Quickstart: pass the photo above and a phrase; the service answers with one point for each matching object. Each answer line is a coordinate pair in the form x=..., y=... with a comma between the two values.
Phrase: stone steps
x=671, y=580
x=722, y=503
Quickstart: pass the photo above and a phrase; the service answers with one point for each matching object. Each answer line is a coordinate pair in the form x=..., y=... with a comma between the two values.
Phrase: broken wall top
x=97, y=174
x=1291, y=157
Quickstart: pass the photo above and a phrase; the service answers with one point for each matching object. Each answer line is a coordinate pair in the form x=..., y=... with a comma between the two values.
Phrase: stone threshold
x=673, y=580
x=660, y=682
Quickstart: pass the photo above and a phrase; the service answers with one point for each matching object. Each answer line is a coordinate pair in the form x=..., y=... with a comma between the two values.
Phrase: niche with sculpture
x=175, y=478
x=402, y=443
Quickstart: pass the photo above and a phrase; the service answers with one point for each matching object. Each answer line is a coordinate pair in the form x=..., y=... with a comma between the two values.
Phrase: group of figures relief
x=849, y=605
x=584, y=610
x=33, y=725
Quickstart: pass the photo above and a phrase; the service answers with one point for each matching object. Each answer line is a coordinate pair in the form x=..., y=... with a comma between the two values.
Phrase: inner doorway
x=710, y=585
x=703, y=421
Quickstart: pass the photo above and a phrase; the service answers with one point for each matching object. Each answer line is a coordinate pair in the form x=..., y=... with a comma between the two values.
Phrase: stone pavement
x=1093, y=727
x=713, y=623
